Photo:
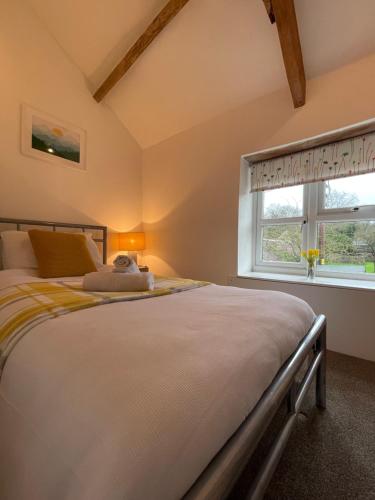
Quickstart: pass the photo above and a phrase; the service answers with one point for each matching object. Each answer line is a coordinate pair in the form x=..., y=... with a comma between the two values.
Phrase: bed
x=160, y=398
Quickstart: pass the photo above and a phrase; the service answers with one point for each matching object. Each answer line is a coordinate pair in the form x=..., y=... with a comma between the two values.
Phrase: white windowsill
x=318, y=281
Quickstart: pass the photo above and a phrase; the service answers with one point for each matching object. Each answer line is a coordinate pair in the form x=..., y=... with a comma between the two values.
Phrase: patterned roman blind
x=339, y=159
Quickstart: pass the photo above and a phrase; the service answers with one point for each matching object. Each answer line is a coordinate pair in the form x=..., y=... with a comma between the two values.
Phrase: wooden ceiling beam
x=268, y=6
x=283, y=12
x=166, y=15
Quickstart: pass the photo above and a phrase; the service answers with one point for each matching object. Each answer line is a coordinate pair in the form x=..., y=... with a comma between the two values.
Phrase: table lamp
x=132, y=243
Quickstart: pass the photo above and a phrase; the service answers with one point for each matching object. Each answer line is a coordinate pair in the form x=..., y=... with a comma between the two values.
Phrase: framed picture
x=49, y=139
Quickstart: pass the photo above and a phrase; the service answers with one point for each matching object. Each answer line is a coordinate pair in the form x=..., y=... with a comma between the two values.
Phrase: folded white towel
x=124, y=264
x=118, y=282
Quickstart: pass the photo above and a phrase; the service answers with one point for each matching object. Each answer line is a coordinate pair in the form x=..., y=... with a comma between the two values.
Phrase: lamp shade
x=132, y=241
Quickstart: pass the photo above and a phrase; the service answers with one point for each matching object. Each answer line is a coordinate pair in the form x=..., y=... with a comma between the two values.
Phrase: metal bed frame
x=54, y=225
x=219, y=477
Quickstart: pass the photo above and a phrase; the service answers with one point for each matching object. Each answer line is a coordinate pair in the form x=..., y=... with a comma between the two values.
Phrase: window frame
x=274, y=266
x=314, y=213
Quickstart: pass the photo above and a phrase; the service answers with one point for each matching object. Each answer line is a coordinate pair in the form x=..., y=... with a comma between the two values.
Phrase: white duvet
x=132, y=400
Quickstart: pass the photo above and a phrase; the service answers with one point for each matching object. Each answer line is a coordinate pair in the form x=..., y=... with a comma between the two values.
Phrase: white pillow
x=94, y=251
x=17, y=251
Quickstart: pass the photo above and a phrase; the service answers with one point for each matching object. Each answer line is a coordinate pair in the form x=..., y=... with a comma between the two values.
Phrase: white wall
x=36, y=71
x=191, y=187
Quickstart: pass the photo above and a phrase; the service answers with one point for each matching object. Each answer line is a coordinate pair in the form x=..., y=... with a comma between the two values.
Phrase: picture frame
x=52, y=140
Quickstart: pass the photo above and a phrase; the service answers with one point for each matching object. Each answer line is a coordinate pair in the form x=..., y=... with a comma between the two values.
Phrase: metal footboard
x=219, y=477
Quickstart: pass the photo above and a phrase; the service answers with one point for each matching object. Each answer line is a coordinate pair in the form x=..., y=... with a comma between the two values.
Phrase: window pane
x=282, y=243
x=347, y=247
x=353, y=191
x=283, y=202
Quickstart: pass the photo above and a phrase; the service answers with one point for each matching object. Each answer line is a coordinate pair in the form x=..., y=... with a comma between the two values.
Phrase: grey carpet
x=331, y=453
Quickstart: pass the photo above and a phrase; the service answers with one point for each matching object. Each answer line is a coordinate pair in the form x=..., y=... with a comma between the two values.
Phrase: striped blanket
x=24, y=306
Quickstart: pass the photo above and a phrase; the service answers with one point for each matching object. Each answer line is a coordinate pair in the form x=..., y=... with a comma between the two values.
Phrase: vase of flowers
x=311, y=256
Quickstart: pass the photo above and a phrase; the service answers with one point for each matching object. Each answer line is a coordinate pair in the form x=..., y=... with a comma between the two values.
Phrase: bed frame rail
x=219, y=477
x=61, y=225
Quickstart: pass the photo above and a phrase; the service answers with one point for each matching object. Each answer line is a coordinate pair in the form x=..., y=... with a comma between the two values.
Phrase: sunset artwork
x=55, y=140
x=52, y=140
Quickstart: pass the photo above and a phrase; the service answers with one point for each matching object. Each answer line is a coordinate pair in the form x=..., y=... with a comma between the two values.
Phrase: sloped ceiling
x=214, y=56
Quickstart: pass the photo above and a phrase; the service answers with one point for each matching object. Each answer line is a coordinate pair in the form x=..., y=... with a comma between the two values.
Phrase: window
x=280, y=226
x=350, y=192
x=284, y=202
x=336, y=216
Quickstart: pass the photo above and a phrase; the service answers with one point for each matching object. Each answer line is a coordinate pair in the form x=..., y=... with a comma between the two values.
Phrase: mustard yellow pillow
x=61, y=254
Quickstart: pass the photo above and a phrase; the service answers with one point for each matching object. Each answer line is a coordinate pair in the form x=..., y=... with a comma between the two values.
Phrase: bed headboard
x=99, y=236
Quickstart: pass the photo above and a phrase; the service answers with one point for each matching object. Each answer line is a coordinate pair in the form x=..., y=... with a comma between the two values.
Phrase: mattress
x=132, y=400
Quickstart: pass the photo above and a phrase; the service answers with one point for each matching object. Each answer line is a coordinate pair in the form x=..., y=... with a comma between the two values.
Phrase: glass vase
x=311, y=271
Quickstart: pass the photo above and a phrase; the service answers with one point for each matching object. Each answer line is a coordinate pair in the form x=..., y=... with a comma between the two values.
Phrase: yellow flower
x=311, y=255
